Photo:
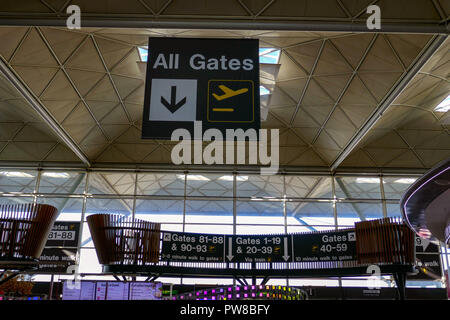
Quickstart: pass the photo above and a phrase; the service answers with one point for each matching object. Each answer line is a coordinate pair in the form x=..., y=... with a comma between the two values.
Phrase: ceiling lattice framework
x=324, y=14
x=92, y=84
x=411, y=133
x=24, y=136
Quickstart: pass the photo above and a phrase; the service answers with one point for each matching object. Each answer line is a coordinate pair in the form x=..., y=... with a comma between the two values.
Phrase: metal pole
x=333, y=190
x=184, y=201
x=36, y=187
x=50, y=293
x=285, y=217
x=83, y=214
x=134, y=197
x=383, y=197
x=234, y=213
x=184, y=213
x=448, y=268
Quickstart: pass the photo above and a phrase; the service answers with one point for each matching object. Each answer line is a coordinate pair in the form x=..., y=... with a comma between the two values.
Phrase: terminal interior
x=361, y=116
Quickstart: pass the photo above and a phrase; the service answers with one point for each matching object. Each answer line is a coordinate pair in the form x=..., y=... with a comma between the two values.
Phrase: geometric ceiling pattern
x=91, y=82
x=24, y=135
x=327, y=89
x=410, y=133
x=88, y=84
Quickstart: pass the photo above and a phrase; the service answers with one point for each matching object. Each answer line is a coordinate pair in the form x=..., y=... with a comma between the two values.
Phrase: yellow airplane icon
x=228, y=93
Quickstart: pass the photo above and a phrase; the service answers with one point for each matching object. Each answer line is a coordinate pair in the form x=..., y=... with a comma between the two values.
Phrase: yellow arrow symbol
x=228, y=93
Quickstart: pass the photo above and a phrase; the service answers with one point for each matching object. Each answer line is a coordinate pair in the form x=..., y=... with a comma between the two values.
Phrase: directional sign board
x=54, y=260
x=428, y=261
x=215, y=81
x=429, y=267
x=330, y=246
x=270, y=248
x=426, y=246
x=61, y=247
x=180, y=246
x=64, y=234
x=318, y=247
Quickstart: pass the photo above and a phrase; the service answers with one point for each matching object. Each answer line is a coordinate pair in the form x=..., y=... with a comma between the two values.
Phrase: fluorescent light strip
x=59, y=175
x=405, y=180
x=367, y=180
x=16, y=174
x=193, y=177
x=230, y=178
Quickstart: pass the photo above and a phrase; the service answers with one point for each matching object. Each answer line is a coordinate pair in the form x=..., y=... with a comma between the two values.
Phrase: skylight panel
x=269, y=55
x=263, y=91
x=444, y=106
x=143, y=52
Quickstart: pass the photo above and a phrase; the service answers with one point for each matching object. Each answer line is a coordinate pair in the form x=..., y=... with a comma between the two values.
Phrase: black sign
x=268, y=248
x=428, y=261
x=64, y=234
x=179, y=246
x=429, y=267
x=215, y=81
x=61, y=247
x=57, y=259
x=425, y=246
x=330, y=246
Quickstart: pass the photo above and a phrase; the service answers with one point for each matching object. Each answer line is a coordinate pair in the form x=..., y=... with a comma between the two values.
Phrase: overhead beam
x=239, y=280
x=124, y=203
x=348, y=195
x=302, y=204
x=396, y=90
x=234, y=23
x=116, y=277
x=39, y=108
x=305, y=224
x=72, y=190
x=110, y=186
x=9, y=277
x=167, y=168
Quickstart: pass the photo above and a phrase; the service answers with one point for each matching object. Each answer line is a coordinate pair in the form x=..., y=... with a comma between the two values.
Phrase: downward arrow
x=230, y=249
x=424, y=244
x=286, y=257
x=173, y=106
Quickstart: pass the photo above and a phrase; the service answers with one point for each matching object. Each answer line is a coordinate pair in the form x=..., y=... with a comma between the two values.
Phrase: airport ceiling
x=341, y=98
